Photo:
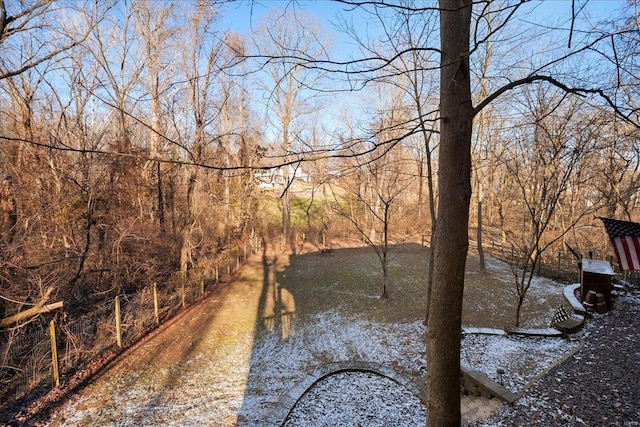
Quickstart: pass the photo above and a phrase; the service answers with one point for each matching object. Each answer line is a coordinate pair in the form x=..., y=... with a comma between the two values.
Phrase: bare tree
x=618, y=168
x=285, y=35
x=460, y=39
x=200, y=65
x=482, y=136
x=454, y=183
x=209, y=112
x=107, y=156
x=33, y=33
x=414, y=73
x=546, y=163
x=152, y=25
x=371, y=203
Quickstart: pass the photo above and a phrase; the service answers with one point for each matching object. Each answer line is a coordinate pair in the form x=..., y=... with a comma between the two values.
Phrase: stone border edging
x=552, y=366
x=483, y=331
x=480, y=384
x=287, y=402
x=569, y=294
x=578, y=318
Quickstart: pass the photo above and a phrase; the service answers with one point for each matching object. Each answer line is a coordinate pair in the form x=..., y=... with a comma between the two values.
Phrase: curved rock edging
x=287, y=402
x=569, y=294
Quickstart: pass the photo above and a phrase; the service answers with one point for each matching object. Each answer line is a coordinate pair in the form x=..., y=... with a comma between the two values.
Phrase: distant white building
x=273, y=177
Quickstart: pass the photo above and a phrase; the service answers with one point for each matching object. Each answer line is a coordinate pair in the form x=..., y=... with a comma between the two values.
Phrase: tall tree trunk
x=186, y=244
x=385, y=251
x=432, y=214
x=445, y=318
x=480, y=247
x=481, y=136
x=286, y=198
x=426, y=135
x=156, y=125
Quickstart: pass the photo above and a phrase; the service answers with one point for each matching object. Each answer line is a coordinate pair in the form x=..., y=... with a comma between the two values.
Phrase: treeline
x=102, y=191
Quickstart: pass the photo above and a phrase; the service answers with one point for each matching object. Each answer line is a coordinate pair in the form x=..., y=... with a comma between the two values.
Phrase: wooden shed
x=596, y=275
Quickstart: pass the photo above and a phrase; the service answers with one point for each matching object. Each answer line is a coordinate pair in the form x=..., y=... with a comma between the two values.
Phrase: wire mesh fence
x=26, y=359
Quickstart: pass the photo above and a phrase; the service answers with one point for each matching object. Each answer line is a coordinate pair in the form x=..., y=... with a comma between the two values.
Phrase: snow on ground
x=242, y=383
x=204, y=390
x=522, y=358
x=321, y=340
x=353, y=399
x=248, y=386
x=371, y=400
x=217, y=391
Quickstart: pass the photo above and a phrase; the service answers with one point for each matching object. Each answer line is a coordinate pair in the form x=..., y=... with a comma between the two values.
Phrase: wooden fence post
x=118, y=322
x=539, y=265
x=156, y=310
x=182, y=290
x=54, y=354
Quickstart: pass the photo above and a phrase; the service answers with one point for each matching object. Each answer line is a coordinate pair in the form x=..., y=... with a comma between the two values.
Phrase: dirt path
x=184, y=372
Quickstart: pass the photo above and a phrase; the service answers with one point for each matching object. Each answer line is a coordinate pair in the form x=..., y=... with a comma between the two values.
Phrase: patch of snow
x=372, y=400
x=522, y=358
x=278, y=365
x=244, y=389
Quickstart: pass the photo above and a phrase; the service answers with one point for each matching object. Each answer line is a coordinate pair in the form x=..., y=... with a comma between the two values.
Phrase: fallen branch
x=39, y=308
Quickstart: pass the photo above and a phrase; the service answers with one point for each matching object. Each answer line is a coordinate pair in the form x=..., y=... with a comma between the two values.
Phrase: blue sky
x=241, y=15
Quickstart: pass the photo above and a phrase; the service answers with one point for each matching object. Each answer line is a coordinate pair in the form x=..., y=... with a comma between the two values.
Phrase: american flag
x=625, y=239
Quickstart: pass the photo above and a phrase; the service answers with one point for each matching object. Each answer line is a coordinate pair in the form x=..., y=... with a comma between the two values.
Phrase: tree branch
x=574, y=90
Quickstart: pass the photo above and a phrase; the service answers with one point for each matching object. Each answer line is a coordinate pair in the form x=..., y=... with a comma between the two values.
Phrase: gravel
x=597, y=386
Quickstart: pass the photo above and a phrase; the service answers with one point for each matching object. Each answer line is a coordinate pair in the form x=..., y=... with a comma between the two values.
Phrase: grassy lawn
x=349, y=280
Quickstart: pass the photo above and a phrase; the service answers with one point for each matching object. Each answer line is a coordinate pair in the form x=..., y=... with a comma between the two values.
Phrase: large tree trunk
x=480, y=247
x=445, y=319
